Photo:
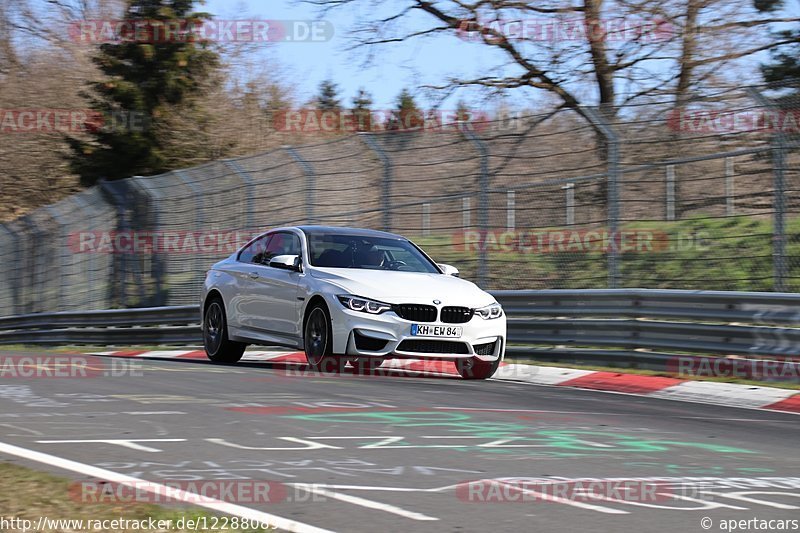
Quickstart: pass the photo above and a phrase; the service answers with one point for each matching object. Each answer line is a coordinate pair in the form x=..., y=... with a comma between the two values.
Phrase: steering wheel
x=396, y=265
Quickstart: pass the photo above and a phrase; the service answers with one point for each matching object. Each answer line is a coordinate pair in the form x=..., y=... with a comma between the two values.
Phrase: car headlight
x=356, y=303
x=490, y=311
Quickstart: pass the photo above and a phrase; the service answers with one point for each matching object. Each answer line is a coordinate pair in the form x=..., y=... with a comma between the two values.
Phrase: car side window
x=254, y=252
x=282, y=244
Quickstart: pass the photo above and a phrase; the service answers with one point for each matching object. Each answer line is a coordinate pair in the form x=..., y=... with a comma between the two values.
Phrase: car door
x=275, y=290
x=242, y=305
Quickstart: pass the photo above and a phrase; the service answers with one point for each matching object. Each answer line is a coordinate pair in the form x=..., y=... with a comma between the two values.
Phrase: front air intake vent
x=485, y=349
x=431, y=346
x=369, y=344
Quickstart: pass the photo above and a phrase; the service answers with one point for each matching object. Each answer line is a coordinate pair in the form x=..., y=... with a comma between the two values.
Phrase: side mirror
x=449, y=270
x=286, y=262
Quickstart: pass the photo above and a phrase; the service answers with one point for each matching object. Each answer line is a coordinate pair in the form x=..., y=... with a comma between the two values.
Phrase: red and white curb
x=708, y=392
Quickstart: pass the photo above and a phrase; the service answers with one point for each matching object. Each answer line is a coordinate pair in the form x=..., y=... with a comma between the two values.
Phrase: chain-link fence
x=705, y=197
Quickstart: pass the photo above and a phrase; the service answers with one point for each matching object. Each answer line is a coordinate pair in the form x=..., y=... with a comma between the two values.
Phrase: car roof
x=355, y=232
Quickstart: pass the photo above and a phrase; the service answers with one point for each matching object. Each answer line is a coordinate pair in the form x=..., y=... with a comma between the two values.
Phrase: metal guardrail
x=628, y=327
x=152, y=325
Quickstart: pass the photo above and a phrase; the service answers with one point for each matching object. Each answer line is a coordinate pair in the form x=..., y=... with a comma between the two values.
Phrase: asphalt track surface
x=386, y=453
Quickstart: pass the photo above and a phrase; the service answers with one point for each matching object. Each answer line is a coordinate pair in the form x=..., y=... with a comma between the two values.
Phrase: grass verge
x=29, y=494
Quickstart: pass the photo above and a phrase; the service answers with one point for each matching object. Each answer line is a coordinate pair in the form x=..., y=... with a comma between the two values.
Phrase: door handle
x=253, y=275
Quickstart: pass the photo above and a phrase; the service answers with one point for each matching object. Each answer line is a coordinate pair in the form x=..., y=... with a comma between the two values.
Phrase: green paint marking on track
x=456, y=422
x=568, y=442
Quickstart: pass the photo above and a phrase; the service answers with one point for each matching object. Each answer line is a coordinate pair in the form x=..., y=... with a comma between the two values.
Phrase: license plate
x=422, y=330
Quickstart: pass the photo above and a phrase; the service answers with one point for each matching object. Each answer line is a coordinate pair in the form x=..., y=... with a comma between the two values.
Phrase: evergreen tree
x=328, y=98
x=362, y=110
x=148, y=84
x=784, y=70
x=407, y=116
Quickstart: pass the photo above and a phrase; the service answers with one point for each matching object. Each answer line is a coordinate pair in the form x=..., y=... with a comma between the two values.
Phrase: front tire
x=219, y=348
x=474, y=368
x=318, y=341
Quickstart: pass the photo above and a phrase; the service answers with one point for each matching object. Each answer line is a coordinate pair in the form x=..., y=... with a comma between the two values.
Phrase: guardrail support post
x=386, y=180
x=601, y=124
x=483, y=203
x=311, y=181
x=779, y=198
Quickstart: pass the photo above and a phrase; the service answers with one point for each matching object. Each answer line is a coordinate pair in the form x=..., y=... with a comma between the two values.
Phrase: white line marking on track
x=566, y=501
x=741, y=496
x=369, y=504
x=126, y=443
x=139, y=484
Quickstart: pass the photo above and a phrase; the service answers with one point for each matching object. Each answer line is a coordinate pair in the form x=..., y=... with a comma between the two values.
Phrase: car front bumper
x=392, y=329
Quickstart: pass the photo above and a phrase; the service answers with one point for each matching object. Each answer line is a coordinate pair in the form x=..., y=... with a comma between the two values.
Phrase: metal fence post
x=249, y=186
x=466, y=213
x=570, y=203
x=729, y=195
x=62, y=263
x=311, y=181
x=120, y=271
x=200, y=222
x=386, y=179
x=779, y=198
x=37, y=269
x=483, y=203
x=670, y=191
x=84, y=206
x=600, y=123
x=152, y=196
x=511, y=210
x=16, y=303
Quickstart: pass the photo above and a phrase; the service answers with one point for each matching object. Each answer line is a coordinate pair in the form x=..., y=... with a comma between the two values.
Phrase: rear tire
x=318, y=341
x=219, y=348
x=474, y=368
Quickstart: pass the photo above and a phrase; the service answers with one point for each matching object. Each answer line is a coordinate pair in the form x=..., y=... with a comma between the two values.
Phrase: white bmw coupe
x=349, y=295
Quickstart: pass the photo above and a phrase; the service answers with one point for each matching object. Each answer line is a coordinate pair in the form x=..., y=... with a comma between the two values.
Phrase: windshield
x=375, y=253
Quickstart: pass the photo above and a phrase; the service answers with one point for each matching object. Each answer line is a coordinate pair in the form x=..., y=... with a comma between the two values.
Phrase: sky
x=429, y=60
x=410, y=64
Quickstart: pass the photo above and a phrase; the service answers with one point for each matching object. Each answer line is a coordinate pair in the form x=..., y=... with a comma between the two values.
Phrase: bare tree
x=585, y=51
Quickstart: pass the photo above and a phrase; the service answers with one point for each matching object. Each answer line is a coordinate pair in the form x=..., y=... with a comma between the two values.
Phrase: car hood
x=405, y=287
